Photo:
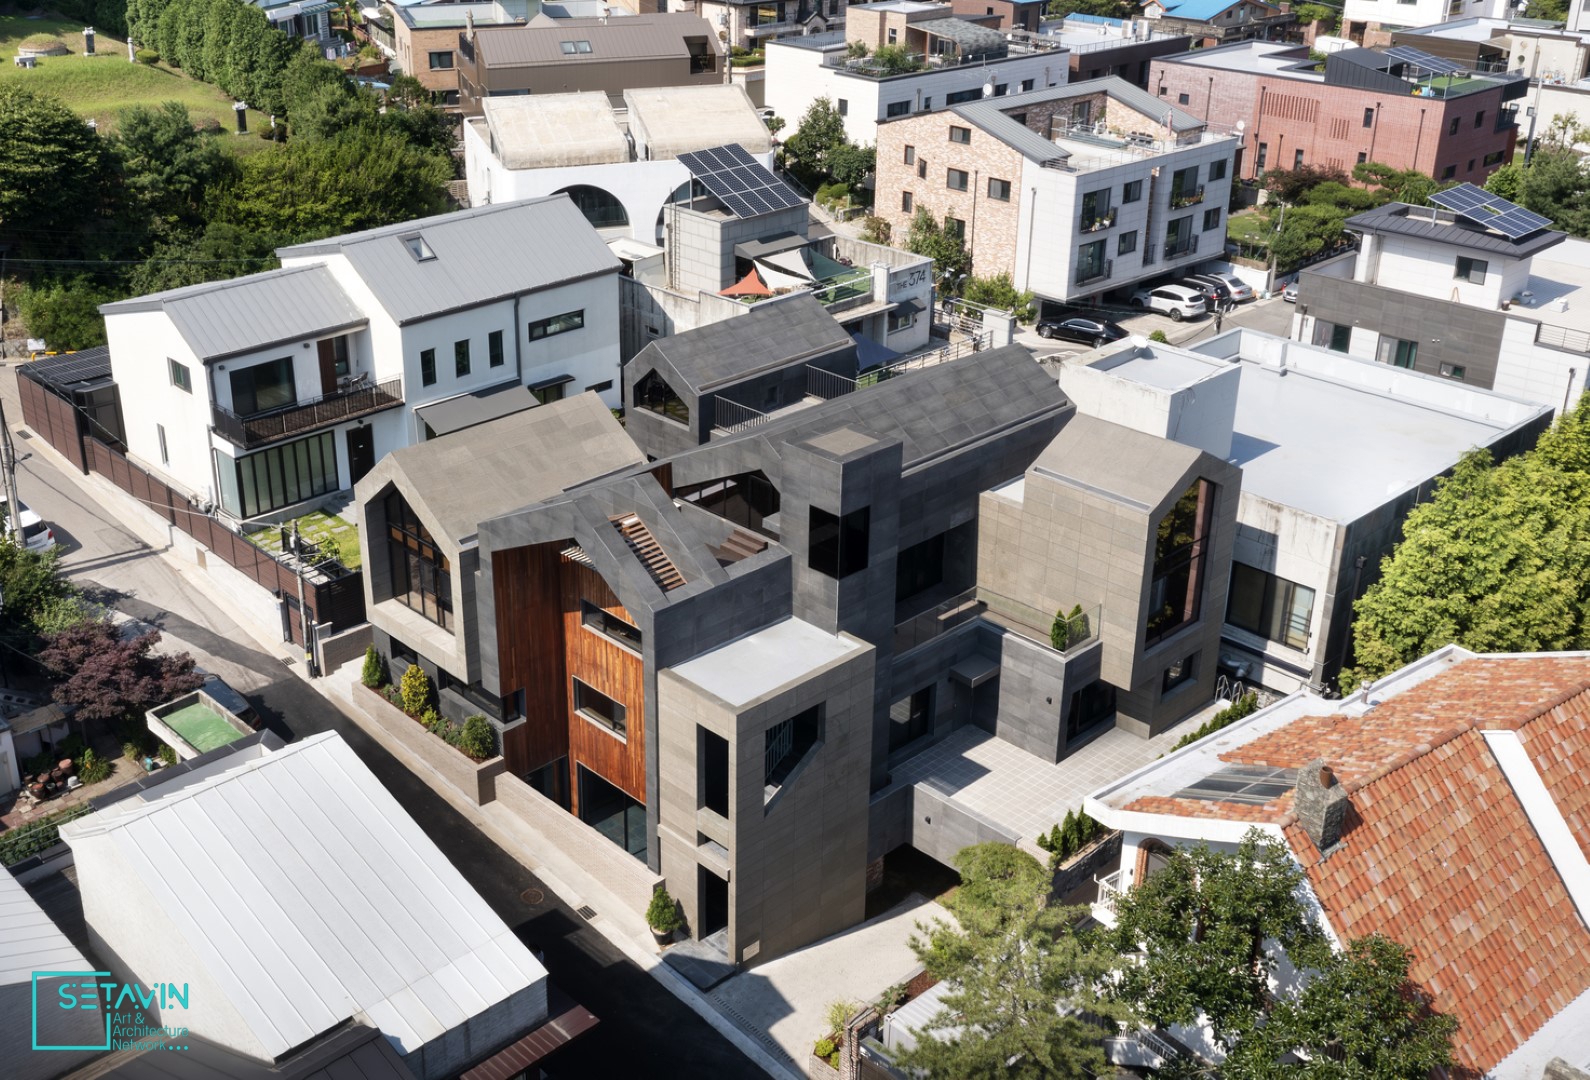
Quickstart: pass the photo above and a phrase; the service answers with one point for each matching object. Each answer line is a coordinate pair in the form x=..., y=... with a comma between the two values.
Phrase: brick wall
x=414, y=48
x=991, y=224
x=1327, y=122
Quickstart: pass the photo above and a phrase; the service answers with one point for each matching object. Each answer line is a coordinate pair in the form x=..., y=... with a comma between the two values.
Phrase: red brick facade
x=1327, y=123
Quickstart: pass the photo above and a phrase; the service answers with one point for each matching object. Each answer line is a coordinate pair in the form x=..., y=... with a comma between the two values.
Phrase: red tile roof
x=1438, y=853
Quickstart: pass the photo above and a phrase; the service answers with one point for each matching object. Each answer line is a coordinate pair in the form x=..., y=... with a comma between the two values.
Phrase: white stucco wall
x=1428, y=269
x=1421, y=13
x=1535, y=373
x=141, y=342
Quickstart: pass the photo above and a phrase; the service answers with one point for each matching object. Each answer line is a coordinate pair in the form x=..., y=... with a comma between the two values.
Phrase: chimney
x=1321, y=805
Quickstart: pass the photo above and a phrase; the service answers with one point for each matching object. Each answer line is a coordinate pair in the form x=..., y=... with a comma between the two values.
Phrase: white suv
x=1177, y=301
x=36, y=535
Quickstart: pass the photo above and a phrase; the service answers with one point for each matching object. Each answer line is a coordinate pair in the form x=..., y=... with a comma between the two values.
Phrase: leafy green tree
x=411, y=113
x=997, y=291
x=65, y=312
x=167, y=165
x=1508, y=181
x=477, y=739
x=947, y=250
x=34, y=590
x=809, y=151
x=55, y=175
x=1357, y=1018
x=327, y=110
x=220, y=251
x=1202, y=923
x=1015, y=961
x=1555, y=185
x=308, y=73
x=1498, y=560
x=1400, y=185
x=1290, y=185
x=897, y=60
x=852, y=164
x=1110, y=9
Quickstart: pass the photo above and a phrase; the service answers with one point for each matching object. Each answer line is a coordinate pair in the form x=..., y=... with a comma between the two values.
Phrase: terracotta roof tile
x=1438, y=853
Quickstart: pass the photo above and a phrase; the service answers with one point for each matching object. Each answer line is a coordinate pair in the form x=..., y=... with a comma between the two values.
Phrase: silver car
x=1241, y=291
x=1289, y=294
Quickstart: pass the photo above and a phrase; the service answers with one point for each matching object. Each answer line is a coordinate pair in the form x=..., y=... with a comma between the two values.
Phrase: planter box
x=1087, y=862
x=477, y=780
x=818, y=1069
x=195, y=724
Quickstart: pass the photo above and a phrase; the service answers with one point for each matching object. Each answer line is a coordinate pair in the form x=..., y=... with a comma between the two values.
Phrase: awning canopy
x=974, y=671
x=551, y=381
x=772, y=245
x=317, y=9
x=869, y=354
x=493, y=403
x=915, y=306
x=750, y=285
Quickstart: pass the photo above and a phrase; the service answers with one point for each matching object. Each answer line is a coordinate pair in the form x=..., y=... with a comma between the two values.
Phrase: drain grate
x=533, y=896
x=586, y=912
x=24, y=434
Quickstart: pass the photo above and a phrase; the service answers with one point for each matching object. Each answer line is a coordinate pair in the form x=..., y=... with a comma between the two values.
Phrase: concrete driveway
x=1272, y=316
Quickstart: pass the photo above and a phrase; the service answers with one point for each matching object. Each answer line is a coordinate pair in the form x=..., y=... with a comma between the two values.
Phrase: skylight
x=418, y=247
x=1251, y=784
x=570, y=48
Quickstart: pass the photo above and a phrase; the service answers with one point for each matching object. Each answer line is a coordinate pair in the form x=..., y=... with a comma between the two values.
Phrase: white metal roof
x=29, y=940
x=310, y=896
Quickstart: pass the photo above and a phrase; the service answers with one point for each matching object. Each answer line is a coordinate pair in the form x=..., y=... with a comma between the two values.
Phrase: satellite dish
x=1139, y=341
x=988, y=87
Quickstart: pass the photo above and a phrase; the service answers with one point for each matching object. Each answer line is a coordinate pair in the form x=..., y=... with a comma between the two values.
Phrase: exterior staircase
x=648, y=551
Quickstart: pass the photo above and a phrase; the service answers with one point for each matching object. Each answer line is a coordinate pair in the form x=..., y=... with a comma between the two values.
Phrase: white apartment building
x=955, y=60
x=273, y=390
x=1073, y=191
x=1438, y=294
x=1370, y=22
x=620, y=167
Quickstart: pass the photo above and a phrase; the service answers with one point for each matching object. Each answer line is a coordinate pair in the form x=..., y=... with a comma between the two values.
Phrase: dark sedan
x=1093, y=332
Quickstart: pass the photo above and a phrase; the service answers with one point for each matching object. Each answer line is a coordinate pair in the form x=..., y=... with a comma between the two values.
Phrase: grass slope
x=101, y=85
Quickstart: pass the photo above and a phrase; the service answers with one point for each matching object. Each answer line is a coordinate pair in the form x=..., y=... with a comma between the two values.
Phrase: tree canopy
x=55, y=175
x=1498, y=560
x=946, y=248
x=108, y=677
x=1554, y=184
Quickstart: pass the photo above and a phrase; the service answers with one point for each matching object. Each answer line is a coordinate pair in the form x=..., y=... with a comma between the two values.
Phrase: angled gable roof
x=993, y=114
x=767, y=338
x=471, y=257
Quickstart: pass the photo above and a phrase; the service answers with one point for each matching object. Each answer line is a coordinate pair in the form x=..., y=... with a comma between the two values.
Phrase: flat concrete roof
x=1163, y=369
x=1252, y=57
x=674, y=120
x=1339, y=451
x=757, y=664
x=1560, y=274
x=542, y=131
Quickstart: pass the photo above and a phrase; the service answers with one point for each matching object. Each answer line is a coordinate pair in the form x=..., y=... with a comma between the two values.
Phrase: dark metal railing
x=251, y=431
x=1086, y=274
x=1555, y=337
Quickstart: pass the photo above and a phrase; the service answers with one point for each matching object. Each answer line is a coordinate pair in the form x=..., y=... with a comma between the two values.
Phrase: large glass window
x=557, y=324
x=609, y=625
x=910, y=718
x=1272, y=607
x=263, y=387
x=1179, y=239
x=1184, y=189
x=712, y=752
x=654, y=394
x=837, y=545
x=612, y=813
x=600, y=206
x=597, y=706
x=1091, y=263
x=1090, y=706
x=786, y=744
x=1096, y=210
x=277, y=476
x=421, y=576
x=1397, y=352
x=919, y=568
x=1176, y=588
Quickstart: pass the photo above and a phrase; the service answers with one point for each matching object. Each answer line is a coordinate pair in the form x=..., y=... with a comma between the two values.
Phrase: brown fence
x=54, y=418
x=337, y=599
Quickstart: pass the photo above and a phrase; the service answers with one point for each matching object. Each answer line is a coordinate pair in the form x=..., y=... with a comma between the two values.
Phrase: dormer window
x=418, y=247
x=575, y=48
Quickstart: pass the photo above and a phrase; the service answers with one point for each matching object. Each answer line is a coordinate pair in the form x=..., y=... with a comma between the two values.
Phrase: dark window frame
x=494, y=350
x=427, y=367
x=421, y=575
x=1179, y=567
x=461, y=359
x=589, y=703
x=181, y=376
x=553, y=325
x=598, y=620
x=1271, y=614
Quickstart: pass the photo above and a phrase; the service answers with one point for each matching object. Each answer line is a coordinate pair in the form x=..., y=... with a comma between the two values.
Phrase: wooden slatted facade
x=611, y=669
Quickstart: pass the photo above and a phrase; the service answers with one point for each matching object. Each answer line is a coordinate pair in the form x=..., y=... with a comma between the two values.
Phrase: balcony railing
x=1556, y=337
x=770, y=29
x=1098, y=221
x=1186, y=247
x=1086, y=274
x=1181, y=199
x=1032, y=624
x=248, y=432
x=1110, y=890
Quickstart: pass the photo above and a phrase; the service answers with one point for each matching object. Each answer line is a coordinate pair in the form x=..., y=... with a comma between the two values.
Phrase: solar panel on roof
x=741, y=183
x=1436, y=65
x=1250, y=784
x=1490, y=211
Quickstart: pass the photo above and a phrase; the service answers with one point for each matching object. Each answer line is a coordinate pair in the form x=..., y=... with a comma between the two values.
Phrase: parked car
x=1241, y=291
x=1289, y=294
x=1177, y=301
x=1214, y=292
x=1089, y=331
x=232, y=701
x=36, y=534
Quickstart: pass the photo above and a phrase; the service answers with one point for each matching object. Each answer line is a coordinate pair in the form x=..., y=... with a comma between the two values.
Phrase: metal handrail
x=1084, y=276
x=304, y=416
x=1557, y=337
x=731, y=416
x=821, y=383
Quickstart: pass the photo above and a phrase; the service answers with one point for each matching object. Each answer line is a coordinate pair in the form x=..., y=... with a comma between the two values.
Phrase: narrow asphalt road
x=644, y=1030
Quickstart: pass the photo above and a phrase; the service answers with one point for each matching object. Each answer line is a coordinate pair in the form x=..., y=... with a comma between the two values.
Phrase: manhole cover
x=532, y=896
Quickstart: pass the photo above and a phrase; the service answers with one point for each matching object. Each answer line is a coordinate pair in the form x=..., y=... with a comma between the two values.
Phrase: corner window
x=1180, y=545
x=960, y=134
x=956, y=179
x=181, y=378
x=999, y=190
x=441, y=61
x=609, y=625
x=1272, y=607
x=785, y=746
x=837, y=546
x=557, y=324
x=599, y=708
x=428, y=367
x=421, y=576
x=1471, y=270
x=461, y=358
x=494, y=348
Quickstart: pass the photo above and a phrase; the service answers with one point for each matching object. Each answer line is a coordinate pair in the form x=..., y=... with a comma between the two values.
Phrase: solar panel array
x=1490, y=211
x=740, y=182
x=1253, y=785
x=1435, y=65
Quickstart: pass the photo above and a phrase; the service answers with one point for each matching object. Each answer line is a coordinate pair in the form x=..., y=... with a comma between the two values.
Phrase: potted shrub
x=663, y=916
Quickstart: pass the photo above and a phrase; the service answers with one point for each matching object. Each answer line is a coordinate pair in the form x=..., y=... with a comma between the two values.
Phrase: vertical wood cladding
x=530, y=652
x=608, y=668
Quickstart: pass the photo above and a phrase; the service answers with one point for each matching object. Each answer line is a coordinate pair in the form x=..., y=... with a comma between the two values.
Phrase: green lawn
x=1248, y=227
x=101, y=85
x=318, y=527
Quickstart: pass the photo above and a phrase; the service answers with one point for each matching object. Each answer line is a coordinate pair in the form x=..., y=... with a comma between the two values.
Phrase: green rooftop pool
x=201, y=727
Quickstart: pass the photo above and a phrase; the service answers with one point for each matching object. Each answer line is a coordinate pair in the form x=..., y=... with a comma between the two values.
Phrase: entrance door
x=361, y=453
x=714, y=893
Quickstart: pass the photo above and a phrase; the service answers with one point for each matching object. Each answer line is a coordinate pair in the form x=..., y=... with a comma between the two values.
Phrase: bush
x=875, y=230
x=94, y=768
x=168, y=755
x=1076, y=832
x=477, y=739
x=1068, y=629
x=147, y=56
x=1159, y=336
x=416, y=691
x=834, y=194
x=132, y=751
x=662, y=914
x=825, y=1049
x=374, y=673
x=1243, y=706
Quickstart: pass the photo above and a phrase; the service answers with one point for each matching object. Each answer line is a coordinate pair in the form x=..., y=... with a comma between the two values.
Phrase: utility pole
x=303, y=611
x=8, y=465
